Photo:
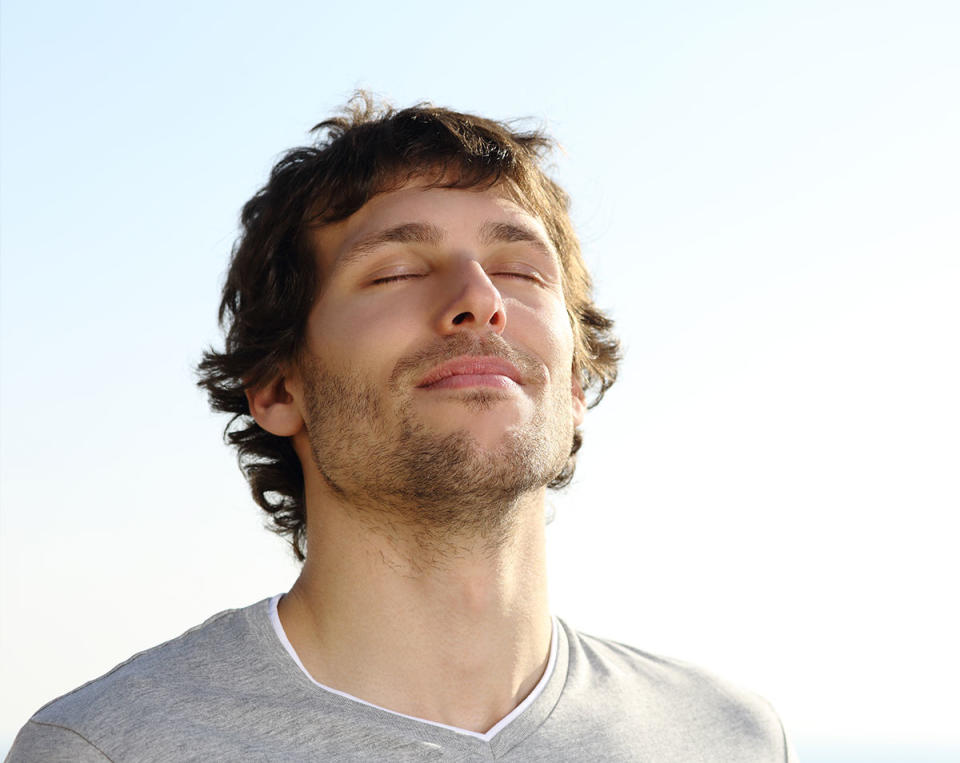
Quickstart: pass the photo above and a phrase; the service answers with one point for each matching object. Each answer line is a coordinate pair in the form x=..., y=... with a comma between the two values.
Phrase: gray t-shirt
x=230, y=690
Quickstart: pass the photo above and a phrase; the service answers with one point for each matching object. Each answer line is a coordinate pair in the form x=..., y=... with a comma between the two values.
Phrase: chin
x=488, y=423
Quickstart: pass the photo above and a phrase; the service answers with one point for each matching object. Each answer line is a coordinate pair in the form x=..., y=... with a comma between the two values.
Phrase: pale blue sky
x=768, y=196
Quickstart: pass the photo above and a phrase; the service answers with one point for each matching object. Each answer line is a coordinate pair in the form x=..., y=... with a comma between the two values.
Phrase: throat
x=406, y=632
x=425, y=681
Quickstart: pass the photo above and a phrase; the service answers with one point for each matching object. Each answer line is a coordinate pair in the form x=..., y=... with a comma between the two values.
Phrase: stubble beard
x=444, y=488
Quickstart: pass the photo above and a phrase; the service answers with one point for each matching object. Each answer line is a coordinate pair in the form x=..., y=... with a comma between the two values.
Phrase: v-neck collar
x=525, y=718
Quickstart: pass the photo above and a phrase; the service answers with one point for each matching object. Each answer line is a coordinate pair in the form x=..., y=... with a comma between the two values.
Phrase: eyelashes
x=394, y=278
x=524, y=276
x=532, y=277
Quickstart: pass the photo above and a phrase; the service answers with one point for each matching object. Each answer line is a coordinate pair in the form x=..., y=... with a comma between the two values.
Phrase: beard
x=377, y=455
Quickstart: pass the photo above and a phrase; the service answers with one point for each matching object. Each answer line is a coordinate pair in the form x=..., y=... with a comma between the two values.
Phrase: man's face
x=436, y=380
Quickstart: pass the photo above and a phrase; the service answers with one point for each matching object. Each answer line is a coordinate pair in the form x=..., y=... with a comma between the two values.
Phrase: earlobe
x=578, y=401
x=274, y=408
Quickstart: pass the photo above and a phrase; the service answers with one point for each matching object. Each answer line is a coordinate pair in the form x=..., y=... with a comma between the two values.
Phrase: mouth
x=463, y=372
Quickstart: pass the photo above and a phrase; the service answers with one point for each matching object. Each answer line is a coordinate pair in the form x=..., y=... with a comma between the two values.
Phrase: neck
x=404, y=621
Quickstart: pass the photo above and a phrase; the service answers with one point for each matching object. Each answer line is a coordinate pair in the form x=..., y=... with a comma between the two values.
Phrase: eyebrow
x=407, y=233
x=427, y=233
x=509, y=233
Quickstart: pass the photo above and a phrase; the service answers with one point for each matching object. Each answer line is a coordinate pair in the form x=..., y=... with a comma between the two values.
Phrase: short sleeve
x=38, y=741
x=788, y=752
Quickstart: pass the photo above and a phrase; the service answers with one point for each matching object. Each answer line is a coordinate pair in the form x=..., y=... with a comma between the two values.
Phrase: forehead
x=461, y=215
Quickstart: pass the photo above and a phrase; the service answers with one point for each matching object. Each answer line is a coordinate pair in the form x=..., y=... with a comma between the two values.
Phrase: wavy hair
x=369, y=148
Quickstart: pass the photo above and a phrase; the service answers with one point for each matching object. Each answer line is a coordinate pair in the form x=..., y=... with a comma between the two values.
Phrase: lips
x=471, y=371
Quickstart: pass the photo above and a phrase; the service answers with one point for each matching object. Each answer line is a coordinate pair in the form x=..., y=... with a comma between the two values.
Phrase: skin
x=425, y=570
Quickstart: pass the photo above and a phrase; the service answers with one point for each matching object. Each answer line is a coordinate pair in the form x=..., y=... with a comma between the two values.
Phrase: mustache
x=457, y=345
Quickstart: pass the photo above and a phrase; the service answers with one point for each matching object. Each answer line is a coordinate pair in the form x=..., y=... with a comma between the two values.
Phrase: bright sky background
x=768, y=196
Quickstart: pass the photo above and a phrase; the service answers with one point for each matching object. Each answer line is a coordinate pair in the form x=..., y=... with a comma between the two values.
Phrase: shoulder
x=661, y=675
x=151, y=690
x=52, y=743
x=193, y=657
x=669, y=697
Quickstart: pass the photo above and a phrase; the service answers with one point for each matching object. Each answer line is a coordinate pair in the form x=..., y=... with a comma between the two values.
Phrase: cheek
x=354, y=333
x=546, y=327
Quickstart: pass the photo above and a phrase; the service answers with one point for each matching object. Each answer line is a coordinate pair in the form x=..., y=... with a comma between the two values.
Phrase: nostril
x=460, y=318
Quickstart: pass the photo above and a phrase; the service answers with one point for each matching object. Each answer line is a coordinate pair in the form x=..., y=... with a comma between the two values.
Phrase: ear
x=274, y=407
x=578, y=401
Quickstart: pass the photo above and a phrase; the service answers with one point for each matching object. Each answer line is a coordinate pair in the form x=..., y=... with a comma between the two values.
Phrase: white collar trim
x=486, y=737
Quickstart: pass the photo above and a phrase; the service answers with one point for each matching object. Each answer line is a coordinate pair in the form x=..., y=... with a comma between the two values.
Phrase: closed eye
x=519, y=274
x=397, y=277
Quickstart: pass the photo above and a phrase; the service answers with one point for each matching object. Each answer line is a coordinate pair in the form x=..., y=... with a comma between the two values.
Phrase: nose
x=472, y=303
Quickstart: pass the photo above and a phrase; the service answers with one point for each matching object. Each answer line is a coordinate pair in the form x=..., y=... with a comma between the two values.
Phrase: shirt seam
x=210, y=620
x=72, y=731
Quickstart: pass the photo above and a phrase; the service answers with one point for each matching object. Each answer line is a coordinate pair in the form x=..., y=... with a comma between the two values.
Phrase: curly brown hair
x=270, y=287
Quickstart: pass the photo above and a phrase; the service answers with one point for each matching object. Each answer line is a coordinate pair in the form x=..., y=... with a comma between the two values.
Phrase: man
x=410, y=344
